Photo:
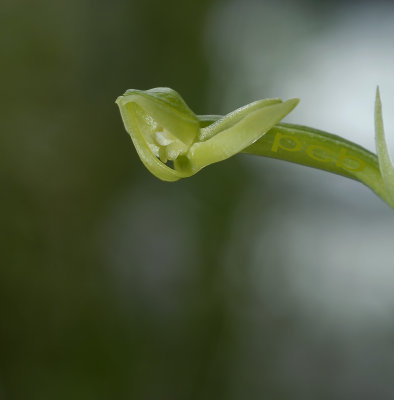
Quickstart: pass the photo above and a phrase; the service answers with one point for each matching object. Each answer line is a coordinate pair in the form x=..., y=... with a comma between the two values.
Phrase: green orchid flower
x=172, y=141
x=175, y=143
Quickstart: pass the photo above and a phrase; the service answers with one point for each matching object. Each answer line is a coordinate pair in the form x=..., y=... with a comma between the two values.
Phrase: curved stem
x=322, y=150
x=318, y=149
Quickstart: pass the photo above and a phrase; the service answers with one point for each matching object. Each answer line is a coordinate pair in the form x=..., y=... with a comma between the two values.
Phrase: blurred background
x=254, y=279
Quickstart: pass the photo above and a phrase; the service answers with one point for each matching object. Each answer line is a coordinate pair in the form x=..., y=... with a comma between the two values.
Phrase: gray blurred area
x=254, y=279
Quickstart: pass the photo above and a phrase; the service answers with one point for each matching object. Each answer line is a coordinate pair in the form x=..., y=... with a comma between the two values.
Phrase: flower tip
x=118, y=100
x=378, y=100
x=291, y=104
x=294, y=101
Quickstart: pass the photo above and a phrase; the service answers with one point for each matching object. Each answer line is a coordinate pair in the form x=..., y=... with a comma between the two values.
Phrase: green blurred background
x=254, y=279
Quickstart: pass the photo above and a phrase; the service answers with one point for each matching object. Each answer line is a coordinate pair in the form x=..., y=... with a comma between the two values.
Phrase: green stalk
x=324, y=151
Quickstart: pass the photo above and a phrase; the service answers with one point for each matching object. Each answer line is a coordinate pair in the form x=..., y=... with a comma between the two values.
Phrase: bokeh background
x=254, y=279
